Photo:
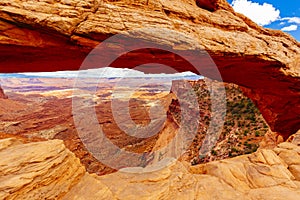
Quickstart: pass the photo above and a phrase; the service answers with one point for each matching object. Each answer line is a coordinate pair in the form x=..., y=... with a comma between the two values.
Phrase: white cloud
x=282, y=23
x=108, y=72
x=295, y=20
x=261, y=14
x=290, y=28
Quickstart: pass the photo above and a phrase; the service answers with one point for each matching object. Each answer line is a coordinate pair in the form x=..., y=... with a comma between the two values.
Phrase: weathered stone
x=47, y=170
x=295, y=139
x=295, y=170
x=89, y=188
x=41, y=170
x=265, y=169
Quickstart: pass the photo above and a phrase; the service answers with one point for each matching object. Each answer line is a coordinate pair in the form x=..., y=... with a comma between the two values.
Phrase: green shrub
x=257, y=133
x=213, y=152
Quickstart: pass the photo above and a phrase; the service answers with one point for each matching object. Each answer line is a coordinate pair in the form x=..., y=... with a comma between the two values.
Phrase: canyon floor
x=41, y=109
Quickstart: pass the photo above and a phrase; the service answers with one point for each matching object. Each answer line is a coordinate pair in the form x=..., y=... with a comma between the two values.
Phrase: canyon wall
x=58, y=35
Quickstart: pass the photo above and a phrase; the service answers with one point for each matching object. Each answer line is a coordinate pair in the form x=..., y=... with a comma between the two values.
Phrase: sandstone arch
x=57, y=35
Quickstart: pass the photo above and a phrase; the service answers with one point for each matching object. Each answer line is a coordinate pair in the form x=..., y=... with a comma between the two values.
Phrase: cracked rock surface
x=47, y=170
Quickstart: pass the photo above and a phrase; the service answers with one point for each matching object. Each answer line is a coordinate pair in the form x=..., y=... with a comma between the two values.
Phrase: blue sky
x=275, y=14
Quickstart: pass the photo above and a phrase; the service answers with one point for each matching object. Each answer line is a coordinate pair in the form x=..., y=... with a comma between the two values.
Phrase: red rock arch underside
x=51, y=36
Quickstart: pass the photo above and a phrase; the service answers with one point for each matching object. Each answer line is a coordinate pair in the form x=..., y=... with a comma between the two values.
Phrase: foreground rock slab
x=47, y=170
x=40, y=170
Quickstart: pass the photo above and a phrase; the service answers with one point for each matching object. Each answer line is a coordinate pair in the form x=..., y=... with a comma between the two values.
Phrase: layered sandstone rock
x=58, y=35
x=39, y=27
x=40, y=170
x=295, y=139
x=266, y=174
x=47, y=170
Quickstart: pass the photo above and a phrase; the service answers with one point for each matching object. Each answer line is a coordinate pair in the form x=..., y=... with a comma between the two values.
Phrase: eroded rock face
x=47, y=170
x=40, y=170
x=58, y=35
x=266, y=174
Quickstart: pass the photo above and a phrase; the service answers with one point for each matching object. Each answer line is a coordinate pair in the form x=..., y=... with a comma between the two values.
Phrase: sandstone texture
x=48, y=35
x=40, y=170
x=47, y=170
